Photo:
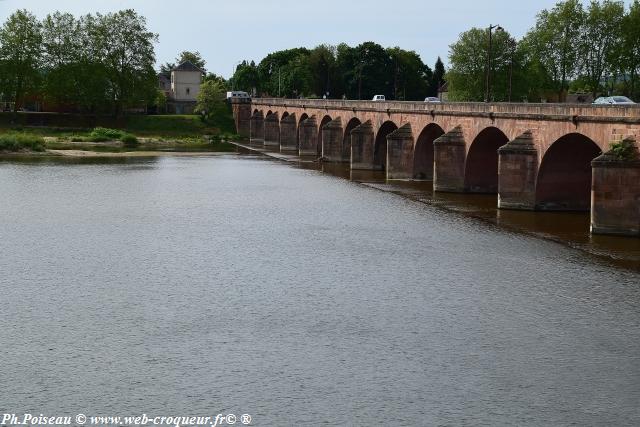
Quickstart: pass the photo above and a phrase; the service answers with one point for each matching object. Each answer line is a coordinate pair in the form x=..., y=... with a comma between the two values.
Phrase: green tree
x=553, y=42
x=63, y=39
x=194, y=57
x=438, y=78
x=601, y=35
x=629, y=59
x=126, y=51
x=20, y=56
x=211, y=99
x=322, y=66
x=246, y=78
x=411, y=77
x=468, y=65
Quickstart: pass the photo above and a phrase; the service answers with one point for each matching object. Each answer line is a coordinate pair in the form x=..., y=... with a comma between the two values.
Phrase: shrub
x=624, y=150
x=21, y=141
x=105, y=134
x=129, y=140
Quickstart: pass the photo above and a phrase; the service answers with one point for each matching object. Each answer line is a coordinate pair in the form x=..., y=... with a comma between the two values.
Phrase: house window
x=188, y=91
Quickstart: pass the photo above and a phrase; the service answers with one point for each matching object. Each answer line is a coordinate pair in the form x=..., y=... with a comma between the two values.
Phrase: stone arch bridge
x=534, y=156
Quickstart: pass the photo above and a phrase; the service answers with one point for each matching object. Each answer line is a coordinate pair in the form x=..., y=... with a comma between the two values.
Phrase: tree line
x=95, y=63
x=340, y=71
x=571, y=48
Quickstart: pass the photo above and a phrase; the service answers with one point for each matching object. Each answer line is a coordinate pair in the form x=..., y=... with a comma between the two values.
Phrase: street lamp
x=487, y=89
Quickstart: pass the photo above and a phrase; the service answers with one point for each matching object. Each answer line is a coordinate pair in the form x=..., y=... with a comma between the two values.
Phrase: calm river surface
x=238, y=284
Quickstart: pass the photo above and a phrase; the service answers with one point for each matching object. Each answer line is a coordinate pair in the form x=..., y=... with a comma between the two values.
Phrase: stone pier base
x=288, y=134
x=615, y=193
x=400, y=153
x=272, y=131
x=517, y=172
x=257, y=128
x=449, y=157
x=362, y=143
x=309, y=137
x=332, y=135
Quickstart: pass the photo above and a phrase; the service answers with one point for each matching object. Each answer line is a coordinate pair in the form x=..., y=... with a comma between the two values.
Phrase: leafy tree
x=553, y=42
x=411, y=77
x=211, y=98
x=62, y=42
x=194, y=57
x=322, y=66
x=629, y=58
x=20, y=56
x=468, y=59
x=601, y=35
x=246, y=78
x=125, y=48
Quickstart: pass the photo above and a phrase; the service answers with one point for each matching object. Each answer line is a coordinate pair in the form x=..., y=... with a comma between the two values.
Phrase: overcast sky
x=228, y=31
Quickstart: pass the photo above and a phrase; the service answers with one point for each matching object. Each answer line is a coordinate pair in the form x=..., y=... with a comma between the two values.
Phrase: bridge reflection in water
x=567, y=228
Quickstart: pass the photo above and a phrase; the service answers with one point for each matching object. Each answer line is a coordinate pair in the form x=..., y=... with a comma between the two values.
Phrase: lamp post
x=487, y=89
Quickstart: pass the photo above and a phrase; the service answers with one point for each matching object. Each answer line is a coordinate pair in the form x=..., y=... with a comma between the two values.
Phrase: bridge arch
x=481, y=166
x=423, y=151
x=346, y=141
x=564, y=176
x=285, y=114
x=326, y=119
x=380, y=147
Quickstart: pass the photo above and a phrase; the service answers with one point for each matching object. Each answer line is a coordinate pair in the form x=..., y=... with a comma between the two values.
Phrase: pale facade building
x=184, y=88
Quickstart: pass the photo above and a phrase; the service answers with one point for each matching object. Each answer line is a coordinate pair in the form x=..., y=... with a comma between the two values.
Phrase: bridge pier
x=400, y=153
x=615, y=193
x=332, y=135
x=309, y=137
x=257, y=128
x=272, y=130
x=241, y=108
x=362, y=143
x=518, y=170
x=449, y=154
x=288, y=133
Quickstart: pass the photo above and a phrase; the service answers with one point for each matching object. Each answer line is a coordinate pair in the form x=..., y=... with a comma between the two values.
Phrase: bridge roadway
x=534, y=156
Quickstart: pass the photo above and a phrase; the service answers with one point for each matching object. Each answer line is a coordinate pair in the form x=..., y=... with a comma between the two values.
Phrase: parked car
x=379, y=98
x=613, y=100
x=432, y=99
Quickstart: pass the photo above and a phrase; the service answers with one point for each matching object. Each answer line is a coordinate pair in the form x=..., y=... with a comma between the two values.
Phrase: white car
x=431, y=99
x=613, y=100
x=379, y=98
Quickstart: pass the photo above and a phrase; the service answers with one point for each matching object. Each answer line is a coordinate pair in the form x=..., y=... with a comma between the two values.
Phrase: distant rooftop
x=187, y=66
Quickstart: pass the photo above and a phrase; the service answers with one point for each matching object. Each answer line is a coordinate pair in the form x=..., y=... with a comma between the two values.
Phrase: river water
x=238, y=284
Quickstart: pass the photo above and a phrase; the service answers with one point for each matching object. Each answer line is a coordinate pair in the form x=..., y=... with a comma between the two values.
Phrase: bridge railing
x=577, y=110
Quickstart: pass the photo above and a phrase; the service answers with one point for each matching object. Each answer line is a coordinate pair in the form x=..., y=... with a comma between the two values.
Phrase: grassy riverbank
x=162, y=133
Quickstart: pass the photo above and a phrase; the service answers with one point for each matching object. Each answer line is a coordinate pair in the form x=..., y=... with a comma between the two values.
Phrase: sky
x=227, y=32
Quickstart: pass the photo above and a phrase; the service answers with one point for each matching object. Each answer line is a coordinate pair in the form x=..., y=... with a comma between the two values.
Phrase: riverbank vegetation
x=100, y=64
x=15, y=142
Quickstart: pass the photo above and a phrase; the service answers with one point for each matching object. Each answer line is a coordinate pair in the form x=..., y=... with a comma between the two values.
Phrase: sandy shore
x=83, y=153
